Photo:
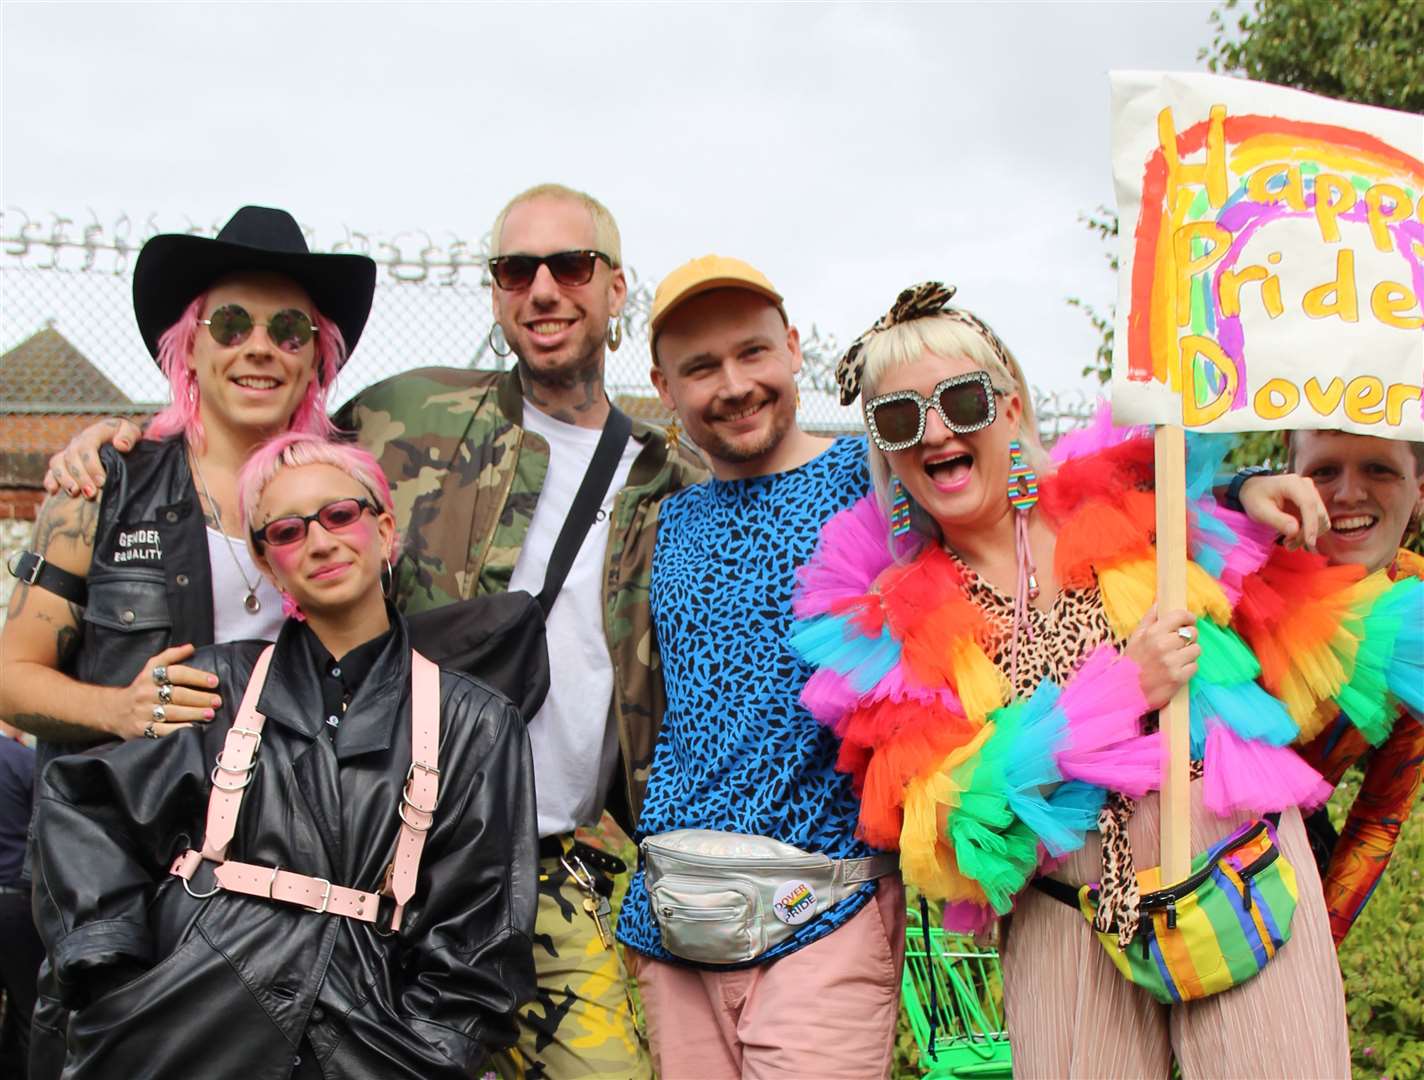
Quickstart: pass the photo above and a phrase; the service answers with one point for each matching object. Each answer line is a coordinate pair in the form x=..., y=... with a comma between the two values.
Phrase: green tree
x=1369, y=51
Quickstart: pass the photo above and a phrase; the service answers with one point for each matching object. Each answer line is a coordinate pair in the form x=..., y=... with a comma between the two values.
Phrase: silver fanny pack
x=726, y=898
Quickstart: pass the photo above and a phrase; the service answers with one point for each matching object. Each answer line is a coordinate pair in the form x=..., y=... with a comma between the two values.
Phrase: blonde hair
x=605, y=229
x=948, y=335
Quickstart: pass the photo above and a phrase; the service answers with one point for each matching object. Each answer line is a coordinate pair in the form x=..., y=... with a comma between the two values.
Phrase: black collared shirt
x=340, y=679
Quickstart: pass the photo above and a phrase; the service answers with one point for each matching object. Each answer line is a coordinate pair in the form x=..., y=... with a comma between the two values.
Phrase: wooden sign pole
x=1175, y=720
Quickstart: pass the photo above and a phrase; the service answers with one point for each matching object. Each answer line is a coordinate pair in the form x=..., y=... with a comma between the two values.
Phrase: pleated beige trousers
x=1071, y=1014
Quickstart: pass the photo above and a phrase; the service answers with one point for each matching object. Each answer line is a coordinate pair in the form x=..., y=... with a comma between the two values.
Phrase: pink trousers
x=824, y=1012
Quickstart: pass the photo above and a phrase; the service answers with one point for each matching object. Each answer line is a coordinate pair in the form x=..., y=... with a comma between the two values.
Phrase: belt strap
x=856, y=871
x=422, y=784
x=285, y=886
x=416, y=810
x=235, y=763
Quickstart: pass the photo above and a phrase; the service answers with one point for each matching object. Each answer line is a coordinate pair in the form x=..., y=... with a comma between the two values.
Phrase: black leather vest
x=150, y=585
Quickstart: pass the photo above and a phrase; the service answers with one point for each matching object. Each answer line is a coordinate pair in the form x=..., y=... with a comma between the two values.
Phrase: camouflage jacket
x=465, y=477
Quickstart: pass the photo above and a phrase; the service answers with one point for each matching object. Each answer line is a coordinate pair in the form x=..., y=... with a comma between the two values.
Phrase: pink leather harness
x=416, y=810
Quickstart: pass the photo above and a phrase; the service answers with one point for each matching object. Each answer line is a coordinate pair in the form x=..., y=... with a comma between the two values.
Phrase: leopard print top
x=1062, y=637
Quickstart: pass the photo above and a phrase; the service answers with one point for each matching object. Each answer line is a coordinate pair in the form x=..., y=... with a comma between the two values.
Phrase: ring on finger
x=160, y=674
x=159, y=713
x=165, y=693
x=1185, y=633
x=148, y=732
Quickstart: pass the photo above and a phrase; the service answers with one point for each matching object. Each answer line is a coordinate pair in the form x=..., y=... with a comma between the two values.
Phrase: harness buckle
x=246, y=775
x=400, y=812
x=257, y=735
x=188, y=887
x=325, y=896
x=385, y=915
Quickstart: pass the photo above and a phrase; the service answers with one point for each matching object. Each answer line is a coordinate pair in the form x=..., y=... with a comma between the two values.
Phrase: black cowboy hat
x=173, y=268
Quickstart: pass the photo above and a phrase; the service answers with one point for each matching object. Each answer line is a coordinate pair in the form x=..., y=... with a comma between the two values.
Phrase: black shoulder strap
x=33, y=569
x=616, y=430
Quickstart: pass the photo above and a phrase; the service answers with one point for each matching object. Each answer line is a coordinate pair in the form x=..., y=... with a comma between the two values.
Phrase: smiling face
x=557, y=331
x=327, y=572
x=1371, y=488
x=252, y=387
x=726, y=364
x=959, y=480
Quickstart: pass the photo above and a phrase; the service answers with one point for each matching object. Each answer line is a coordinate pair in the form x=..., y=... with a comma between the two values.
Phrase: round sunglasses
x=289, y=329
x=965, y=403
x=570, y=268
x=334, y=516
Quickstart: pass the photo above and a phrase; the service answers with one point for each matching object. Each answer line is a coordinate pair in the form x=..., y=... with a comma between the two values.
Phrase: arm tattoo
x=74, y=521
x=52, y=729
x=66, y=640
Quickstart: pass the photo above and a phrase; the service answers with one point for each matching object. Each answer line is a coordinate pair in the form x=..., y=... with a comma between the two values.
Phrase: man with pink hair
x=250, y=328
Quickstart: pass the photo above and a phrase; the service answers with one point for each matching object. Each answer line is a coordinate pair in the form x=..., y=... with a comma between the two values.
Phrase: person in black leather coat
x=168, y=983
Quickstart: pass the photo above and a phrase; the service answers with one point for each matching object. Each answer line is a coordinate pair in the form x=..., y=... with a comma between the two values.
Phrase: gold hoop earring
x=615, y=333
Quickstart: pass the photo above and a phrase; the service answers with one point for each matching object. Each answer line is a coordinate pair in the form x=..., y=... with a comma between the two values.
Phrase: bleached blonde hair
x=947, y=335
x=605, y=229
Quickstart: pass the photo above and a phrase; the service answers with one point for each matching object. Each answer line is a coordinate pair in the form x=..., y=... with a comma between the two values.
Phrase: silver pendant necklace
x=251, y=603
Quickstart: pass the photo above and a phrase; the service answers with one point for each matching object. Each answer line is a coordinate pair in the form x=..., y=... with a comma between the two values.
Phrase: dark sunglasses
x=334, y=516
x=512, y=272
x=288, y=329
x=964, y=402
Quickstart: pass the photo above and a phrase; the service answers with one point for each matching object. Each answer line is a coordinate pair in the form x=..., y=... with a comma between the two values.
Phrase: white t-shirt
x=571, y=733
x=231, y=620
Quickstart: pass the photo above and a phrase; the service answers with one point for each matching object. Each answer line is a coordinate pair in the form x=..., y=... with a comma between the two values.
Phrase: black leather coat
x=235, y=983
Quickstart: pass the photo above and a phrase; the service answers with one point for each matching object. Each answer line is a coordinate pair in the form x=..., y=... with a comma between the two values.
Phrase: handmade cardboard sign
x=1272, y=260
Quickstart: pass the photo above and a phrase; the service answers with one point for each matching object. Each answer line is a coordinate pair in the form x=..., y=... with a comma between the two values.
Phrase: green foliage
x=1370, y=51
x=1102, y=221
x=1382, y=959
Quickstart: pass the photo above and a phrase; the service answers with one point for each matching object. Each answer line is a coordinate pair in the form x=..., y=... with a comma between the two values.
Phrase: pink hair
x=180, y=416
x=296, y=448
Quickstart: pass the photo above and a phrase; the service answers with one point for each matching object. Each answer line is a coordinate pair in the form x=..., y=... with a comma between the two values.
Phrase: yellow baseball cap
x=702, y=275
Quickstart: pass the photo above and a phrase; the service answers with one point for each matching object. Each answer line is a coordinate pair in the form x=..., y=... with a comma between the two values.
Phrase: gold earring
x=615, y=333
x=673, y=435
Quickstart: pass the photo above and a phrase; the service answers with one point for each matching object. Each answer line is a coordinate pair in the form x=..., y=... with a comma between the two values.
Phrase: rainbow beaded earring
x=899, y=508
x=1023, y=481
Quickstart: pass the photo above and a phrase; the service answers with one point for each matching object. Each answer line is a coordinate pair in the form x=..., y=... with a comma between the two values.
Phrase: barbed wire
x=70, y=276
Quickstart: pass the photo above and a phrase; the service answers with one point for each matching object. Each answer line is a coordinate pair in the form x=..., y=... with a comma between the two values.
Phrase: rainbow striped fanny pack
x=1213, y=931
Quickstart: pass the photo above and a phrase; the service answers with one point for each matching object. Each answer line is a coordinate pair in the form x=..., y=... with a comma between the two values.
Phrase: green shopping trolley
x=965, y=985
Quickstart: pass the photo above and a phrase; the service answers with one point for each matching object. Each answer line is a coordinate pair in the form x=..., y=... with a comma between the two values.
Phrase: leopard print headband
x=921, y=301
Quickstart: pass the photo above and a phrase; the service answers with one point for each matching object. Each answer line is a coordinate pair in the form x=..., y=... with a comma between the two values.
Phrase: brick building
x=48, y=391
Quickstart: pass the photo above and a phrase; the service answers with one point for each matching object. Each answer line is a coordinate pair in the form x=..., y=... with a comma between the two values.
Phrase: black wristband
x=1233, y=490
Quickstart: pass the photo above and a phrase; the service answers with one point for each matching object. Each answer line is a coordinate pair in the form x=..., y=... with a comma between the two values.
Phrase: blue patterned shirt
x=737, y=751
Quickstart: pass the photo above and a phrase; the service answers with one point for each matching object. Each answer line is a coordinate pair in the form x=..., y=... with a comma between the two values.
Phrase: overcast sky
x=848, y=150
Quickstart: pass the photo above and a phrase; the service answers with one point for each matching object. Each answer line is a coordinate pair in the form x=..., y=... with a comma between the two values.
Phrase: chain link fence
x=71, y=347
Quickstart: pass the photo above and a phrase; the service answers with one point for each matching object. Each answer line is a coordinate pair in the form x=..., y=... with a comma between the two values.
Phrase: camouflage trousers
x=581, y=1023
